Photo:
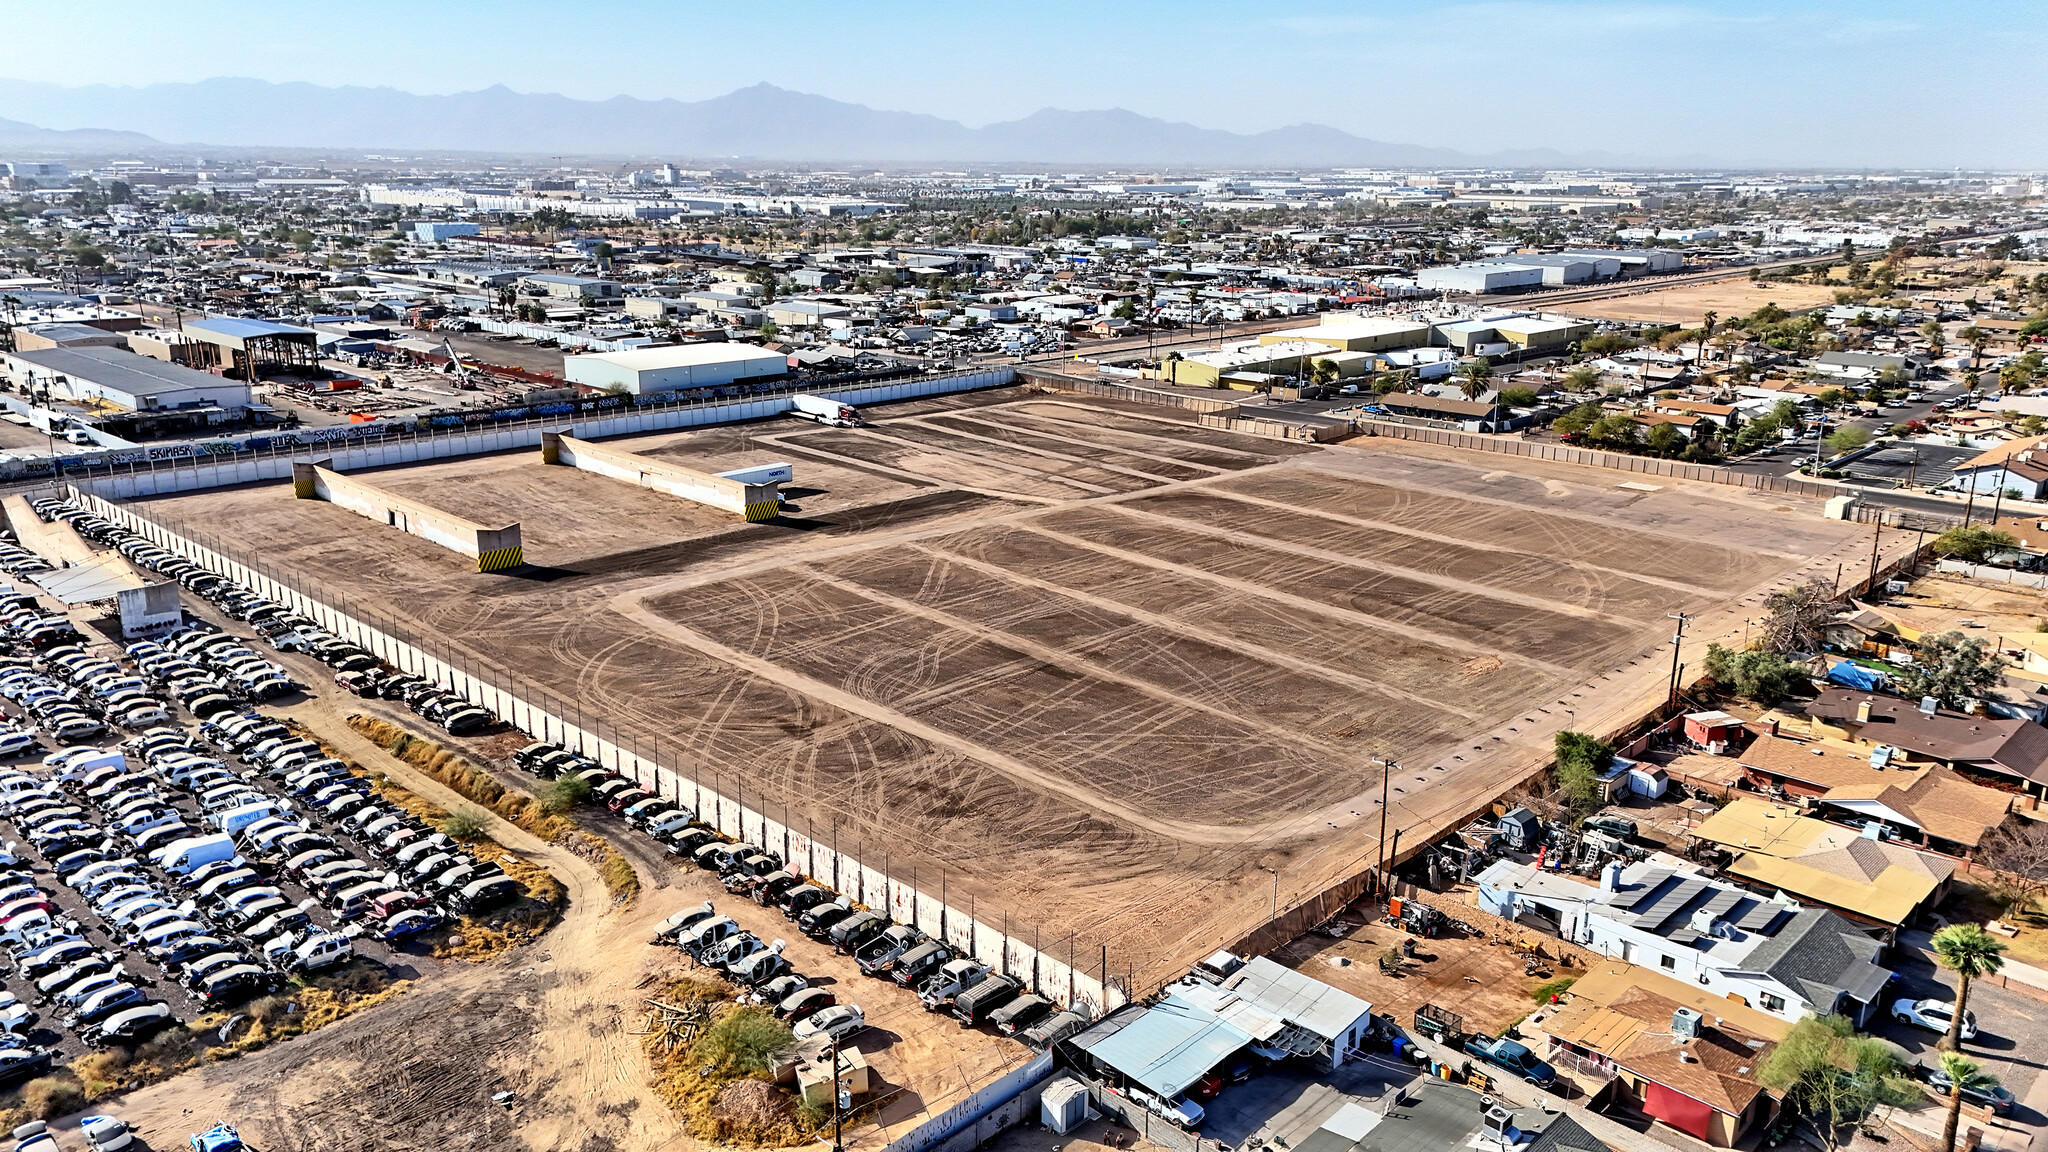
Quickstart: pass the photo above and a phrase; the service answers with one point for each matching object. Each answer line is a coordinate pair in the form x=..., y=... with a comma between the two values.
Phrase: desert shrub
x=52, y=1096
x=563, y=794
x=464, y=824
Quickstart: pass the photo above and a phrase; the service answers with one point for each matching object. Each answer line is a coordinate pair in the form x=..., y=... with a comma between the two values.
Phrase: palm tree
x=1969, y=952
x=1707, y=325
x=1962, y=1073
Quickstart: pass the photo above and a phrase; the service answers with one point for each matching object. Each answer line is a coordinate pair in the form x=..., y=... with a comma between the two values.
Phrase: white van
x=235, y=819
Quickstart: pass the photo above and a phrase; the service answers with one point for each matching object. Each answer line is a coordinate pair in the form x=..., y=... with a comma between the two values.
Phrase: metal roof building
x=1163, y=1050
x=1320, y=1021
x=666, y=369
x=134, y=382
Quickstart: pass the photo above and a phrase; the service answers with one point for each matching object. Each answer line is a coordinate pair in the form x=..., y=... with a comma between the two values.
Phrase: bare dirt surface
x=1685, y=306
x=1096, y=667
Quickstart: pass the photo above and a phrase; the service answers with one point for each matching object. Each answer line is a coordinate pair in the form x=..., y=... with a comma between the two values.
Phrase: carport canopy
x=85, y=583
x=1167, y=1048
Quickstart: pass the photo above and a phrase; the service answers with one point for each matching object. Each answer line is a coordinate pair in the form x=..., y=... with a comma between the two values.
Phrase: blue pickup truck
x=1512, y=1057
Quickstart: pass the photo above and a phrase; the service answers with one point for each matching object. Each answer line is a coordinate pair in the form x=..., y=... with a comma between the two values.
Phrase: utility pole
x=1874, y=538
x=1998, y=501
x=1677, y=638
x=1386, y=776
x=839, y=1103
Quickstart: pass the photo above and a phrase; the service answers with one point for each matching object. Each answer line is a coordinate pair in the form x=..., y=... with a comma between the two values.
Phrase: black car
x=236, y=983
x=23, y=1063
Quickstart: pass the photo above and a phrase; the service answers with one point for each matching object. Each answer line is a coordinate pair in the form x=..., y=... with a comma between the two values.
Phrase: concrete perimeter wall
x=154, y=477
x=753, y=501
x=1061, y=968
x=492, y=548
x=974, y=1121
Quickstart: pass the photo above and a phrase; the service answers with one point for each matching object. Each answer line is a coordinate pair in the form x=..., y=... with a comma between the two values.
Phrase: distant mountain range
x=762, y=122
x=14, y=135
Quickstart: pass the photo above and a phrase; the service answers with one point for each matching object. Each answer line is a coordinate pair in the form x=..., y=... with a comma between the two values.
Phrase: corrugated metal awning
x=84, y=583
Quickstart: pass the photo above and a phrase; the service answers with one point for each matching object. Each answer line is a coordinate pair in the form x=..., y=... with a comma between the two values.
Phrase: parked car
x=838, y=1024
x=1933, y=1015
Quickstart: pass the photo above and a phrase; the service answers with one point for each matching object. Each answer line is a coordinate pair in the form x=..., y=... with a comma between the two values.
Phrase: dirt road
x=551, y=1022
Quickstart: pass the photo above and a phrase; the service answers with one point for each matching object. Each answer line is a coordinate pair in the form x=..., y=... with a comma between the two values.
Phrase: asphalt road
x=2011, y=1043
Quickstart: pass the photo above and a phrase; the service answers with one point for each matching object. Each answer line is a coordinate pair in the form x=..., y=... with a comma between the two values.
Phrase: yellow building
x=1541, y=331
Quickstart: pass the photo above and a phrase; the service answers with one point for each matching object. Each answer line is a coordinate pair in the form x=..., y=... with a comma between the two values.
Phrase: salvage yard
x=1092, y=667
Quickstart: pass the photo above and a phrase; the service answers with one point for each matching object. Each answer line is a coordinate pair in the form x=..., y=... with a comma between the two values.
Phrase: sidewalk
x=2025, y=979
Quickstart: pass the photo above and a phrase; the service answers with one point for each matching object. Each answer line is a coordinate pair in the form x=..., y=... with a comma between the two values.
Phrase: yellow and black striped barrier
x=499, y=559
x=763, y=510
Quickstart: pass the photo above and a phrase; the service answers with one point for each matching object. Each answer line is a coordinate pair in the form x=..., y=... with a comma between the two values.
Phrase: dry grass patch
x=717, y=1073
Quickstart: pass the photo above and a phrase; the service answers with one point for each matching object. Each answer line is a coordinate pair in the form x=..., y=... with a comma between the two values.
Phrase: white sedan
x=837, y=1024
x=1933, y=1015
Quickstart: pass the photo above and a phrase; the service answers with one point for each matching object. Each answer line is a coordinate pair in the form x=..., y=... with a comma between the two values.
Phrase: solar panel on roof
x=1759, y=917
x=1669, y=903
x=1651, y=881
x=1723, y=900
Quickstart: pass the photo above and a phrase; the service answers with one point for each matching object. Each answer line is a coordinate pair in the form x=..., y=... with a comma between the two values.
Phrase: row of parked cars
x=18, y=561
x=901, y=954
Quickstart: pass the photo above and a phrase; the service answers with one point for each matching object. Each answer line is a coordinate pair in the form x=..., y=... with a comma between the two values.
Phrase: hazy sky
x=1879, y=82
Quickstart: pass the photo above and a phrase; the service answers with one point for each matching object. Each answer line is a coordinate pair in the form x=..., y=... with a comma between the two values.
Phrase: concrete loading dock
x=753, y=501
x=495, y=549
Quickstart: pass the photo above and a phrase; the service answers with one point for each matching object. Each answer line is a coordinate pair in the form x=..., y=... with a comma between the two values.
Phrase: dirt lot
x=1686, y=305
x=1096, y=666
x=1482, y=977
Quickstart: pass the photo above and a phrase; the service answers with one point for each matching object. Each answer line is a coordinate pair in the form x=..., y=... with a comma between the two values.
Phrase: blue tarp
x=1856, y=676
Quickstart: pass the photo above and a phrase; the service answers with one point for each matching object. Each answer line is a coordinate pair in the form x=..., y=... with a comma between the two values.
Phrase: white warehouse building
x=1479, y=278
x=643, y=370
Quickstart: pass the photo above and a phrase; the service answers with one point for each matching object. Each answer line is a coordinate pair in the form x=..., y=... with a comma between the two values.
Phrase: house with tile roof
x=1681, y=1056
x=1922, y=801
x=1877, y=883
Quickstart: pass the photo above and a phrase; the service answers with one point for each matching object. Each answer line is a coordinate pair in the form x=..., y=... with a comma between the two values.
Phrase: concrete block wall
x=155, y=477
x=492, y=548
x=753, y=501
x=1064, y=969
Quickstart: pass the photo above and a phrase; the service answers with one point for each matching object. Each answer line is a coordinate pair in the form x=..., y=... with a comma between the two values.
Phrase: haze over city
x=1734, y=82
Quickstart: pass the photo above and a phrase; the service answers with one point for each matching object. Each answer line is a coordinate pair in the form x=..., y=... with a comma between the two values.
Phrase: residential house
x=1925, y=802
x=2004, y=752
x=2017, y=466
x=1681, y=1056
x=1877, y=882
x=1665, y=914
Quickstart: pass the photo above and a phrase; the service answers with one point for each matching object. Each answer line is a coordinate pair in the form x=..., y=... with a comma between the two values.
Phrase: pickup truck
x=1512, y=1057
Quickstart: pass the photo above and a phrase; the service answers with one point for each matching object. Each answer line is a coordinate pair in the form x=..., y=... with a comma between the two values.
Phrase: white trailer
x=825, y=411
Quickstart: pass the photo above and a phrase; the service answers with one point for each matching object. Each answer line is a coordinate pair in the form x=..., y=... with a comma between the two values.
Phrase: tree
x=1663, y=438
x=1322, y=372
x=1952, y=668
x=1848, y=438
x=1579, y=419
x=1971, y=953
x=1765, y=677
x=1606, y=343
x=1973, y=544
x=2015, y=856
x=1795, y=617
x=1963, y=1073
x=1581, y=761
x=1518, y=397
x=1832, y=1075
x=1616, y=428
x=1583, y=378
